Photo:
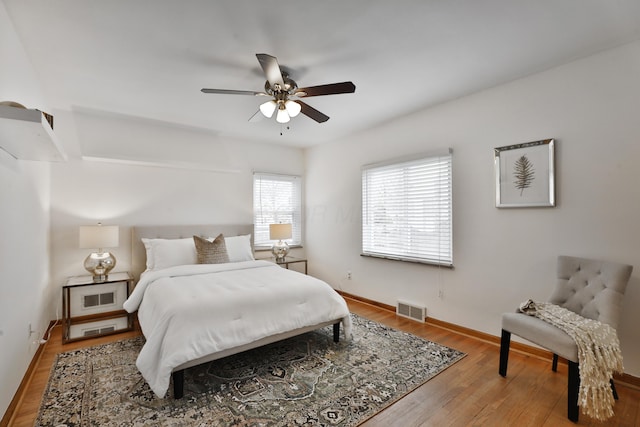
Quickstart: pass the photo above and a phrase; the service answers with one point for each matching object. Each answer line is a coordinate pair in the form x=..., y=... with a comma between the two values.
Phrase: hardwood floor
x=470, y=393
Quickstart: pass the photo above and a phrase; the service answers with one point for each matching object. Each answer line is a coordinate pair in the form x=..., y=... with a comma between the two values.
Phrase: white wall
x=207, y=180
x=24, y=227
x=501, y=256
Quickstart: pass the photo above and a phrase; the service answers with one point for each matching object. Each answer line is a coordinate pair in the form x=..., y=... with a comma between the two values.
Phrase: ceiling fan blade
x=329, y=89
x=311, y=112
x=271, y=69
x=257, y=117
x=233, y=92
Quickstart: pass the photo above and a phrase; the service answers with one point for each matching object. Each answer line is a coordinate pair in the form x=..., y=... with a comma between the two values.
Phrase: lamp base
x=280, y=250
x=99, y=264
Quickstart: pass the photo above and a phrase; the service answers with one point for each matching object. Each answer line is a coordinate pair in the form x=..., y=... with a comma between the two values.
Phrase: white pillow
x=164, y=253
x=239, y=248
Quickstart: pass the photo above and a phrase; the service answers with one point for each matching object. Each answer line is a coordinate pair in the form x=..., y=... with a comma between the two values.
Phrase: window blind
x=407, y=209
x=276, y=199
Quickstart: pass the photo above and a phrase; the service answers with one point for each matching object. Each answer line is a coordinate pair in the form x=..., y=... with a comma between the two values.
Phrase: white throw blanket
x=599, y=355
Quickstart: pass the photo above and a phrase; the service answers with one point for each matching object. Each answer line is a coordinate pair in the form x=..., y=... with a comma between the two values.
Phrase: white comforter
x=190, y=311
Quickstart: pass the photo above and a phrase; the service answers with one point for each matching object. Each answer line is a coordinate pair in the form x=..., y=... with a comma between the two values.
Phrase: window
x=407, y=209
x=276, y=199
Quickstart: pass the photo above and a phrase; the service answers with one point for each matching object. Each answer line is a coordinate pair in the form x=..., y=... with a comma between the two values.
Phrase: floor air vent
x=412, y=311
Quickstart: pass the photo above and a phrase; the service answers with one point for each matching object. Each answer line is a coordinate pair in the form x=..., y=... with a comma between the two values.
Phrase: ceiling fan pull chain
x=288, y=128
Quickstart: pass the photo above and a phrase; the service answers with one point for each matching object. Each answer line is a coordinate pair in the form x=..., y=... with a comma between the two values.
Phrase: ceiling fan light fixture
x=279, y=87
x=282, y=116
x=268, y=108
x=293, y=108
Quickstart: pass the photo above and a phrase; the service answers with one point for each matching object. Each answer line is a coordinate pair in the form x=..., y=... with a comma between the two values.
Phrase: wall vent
x=411, y=311
x=98, y=331
x=90, y=301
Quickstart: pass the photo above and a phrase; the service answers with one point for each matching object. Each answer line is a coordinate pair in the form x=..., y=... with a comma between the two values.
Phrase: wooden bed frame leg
x=178, y=384
x=336, y=332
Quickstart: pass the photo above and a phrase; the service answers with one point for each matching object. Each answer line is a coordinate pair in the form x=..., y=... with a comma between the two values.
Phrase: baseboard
x=626, y=379
x=8, y=415
x=367, y=301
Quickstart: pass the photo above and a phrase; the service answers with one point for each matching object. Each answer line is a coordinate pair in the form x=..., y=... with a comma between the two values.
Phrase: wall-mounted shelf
x=27, y=135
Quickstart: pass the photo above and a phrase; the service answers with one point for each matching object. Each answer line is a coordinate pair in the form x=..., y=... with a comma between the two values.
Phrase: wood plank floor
x=470, y=393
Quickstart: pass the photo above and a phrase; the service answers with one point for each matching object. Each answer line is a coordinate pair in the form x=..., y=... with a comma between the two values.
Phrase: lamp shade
x=99, y=236
x=279, y=231
x=293, y=108
x=268, y=108
x=282, y=116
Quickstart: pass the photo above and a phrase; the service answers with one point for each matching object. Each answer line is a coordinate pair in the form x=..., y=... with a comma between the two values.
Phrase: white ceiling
x=150, y=58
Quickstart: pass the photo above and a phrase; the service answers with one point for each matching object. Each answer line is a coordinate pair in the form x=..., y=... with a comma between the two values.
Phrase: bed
x=194, y=313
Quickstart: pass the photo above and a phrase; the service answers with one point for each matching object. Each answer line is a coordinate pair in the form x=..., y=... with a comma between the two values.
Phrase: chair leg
x=554, y=364
x=572, y=391
x=613, y=390
x=505, y=341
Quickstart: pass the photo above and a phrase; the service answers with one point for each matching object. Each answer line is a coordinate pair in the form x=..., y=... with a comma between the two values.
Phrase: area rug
x=303, y=381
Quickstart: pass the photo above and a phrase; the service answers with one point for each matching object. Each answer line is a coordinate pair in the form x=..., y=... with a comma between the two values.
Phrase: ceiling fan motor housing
x=290, y=86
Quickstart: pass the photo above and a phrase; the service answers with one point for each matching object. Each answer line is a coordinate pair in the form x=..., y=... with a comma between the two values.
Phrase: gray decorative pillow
x=211, y=252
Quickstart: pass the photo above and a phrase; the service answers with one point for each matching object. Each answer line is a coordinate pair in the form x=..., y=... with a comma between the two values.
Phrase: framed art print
x=525, y=174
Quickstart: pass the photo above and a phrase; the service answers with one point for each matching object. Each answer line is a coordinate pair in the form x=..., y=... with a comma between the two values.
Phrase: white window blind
x=276, y=199
x=407, y=209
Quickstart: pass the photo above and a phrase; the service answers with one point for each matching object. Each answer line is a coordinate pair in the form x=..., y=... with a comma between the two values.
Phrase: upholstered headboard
x=138, y=253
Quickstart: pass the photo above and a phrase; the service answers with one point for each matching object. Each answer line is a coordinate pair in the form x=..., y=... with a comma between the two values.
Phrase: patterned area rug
x=304, y=381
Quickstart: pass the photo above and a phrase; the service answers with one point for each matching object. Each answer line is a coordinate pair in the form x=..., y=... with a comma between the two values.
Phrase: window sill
x=411, y=260
x=268, y=248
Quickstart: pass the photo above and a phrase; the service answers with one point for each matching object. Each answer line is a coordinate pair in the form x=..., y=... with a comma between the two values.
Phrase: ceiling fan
x=285, y=92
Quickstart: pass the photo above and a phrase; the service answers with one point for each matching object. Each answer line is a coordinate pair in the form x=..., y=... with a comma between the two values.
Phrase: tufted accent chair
x=594, y=289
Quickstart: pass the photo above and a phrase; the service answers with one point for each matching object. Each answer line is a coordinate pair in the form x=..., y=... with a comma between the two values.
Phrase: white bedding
x=189, y=311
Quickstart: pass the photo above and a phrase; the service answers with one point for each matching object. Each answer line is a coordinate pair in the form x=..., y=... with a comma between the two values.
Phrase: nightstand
x=290, y=260
x=91, y=309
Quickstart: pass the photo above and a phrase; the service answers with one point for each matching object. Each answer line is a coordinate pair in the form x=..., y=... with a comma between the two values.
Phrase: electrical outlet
x=349, y=275
x=30, y=331
x=440, y=294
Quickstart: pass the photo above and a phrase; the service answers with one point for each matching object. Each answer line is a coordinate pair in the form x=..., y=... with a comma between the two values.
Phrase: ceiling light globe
x=268, y=108
x=283, y=116
x=293, y=108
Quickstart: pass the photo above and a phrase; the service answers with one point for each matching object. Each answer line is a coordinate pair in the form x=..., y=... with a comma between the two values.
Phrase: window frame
x=438, y=250
x=260, y=227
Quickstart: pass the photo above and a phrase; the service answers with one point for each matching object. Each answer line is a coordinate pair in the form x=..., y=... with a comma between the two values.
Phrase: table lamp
x=99, y=237
x=280, y=232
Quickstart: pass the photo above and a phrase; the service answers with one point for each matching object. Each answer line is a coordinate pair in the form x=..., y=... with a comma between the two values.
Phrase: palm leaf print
x=524, y=173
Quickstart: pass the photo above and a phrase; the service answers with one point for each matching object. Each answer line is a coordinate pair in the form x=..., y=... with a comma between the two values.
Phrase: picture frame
x=525, y=174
